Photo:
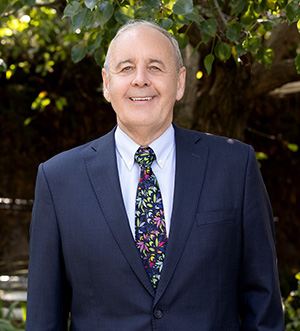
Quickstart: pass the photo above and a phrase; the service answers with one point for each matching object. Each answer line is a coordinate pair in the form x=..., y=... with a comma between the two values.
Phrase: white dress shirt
x=163, y=168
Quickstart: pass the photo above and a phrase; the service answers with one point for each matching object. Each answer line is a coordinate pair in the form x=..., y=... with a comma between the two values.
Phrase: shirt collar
x=162, y=146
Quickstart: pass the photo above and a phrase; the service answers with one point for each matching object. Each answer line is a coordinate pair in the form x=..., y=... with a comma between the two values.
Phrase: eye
x=154, y=68
x=127, y=69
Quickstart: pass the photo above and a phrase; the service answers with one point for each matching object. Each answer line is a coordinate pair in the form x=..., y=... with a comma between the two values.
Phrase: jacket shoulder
x=73, y=157
x=215, y=143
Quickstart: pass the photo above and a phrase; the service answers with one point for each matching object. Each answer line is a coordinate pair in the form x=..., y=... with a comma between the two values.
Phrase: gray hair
x=135, y=23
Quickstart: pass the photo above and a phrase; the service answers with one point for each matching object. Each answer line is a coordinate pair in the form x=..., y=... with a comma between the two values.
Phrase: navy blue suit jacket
x=220, y=268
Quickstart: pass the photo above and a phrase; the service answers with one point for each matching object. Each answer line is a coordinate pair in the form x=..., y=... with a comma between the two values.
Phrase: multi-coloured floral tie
x=150, y=228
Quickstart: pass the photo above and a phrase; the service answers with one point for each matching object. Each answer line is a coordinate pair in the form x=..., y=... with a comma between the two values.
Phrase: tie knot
x=144, y=156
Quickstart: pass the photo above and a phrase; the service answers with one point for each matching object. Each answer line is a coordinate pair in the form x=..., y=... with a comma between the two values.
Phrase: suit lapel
x=191, y=161
x=101, y=166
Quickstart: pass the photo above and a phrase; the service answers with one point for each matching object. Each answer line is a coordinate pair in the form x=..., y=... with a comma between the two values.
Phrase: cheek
x=117, y=90
x=172, y=93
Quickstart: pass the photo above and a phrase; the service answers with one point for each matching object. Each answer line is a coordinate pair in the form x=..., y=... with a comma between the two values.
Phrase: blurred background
x=243, y=82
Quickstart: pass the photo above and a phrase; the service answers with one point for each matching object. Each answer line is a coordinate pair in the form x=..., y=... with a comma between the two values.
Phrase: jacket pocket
x=216, y=217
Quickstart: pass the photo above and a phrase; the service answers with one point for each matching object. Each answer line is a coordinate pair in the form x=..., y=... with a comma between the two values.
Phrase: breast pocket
x=216, y=217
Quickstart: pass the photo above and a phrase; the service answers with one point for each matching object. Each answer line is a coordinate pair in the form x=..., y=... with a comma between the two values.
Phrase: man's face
x=142, y=83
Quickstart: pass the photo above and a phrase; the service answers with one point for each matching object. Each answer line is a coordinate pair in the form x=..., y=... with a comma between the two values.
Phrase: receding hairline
x=142, y=23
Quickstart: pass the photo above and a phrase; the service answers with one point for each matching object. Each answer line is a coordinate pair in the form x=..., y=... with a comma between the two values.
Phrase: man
x=152, y=227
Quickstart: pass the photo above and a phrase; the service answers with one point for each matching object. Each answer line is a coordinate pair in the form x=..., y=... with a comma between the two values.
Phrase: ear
x=105, y=85
x=181, y=83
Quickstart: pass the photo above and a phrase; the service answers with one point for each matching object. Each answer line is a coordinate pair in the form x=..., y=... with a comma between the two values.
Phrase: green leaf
x=238, y=6
x=297, y=62
x=193, y=15
x=72, y=9
x=44, y=103
x=151, y=3
x=265, y=56
x=292, y=11
x=99, y=57
x=10, y=312
x=183, y=7
x=251, y=44
x=90, y=4
x=144, y=13
x=195, y=50
x=83, y=19
x=233, y=32
x=181, y=20
x=223, y=51
x=123, y=14
x=240, y=48
x=293, y=147
x=60, y=103
x=252, y=13
x=94, y=42
x=298, y=25
x=206, y=38
x=208, y=62
x=105, y=11
x=78, y=53
x=209, y=26
x=6, y=325
x=182, y=39
x=261, y=156
x=27, y=121
x=166, y=23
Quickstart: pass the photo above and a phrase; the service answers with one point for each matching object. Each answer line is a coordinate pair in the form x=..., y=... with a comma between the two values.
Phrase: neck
x=143, y=136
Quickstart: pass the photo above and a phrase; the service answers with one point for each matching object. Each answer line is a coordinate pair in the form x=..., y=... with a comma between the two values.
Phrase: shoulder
x=228, y=155
x=216, y=144
x=74, y=157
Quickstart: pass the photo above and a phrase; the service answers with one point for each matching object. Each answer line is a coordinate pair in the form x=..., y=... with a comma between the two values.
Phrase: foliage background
x=238, y=54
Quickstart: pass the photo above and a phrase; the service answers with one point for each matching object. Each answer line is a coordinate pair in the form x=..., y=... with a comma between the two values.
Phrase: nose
x=141, y=77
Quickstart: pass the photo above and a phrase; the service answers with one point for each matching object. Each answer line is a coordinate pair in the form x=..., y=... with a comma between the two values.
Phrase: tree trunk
x=221, y=103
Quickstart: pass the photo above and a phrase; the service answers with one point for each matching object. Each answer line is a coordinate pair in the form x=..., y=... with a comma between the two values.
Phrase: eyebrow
x=123, y=62
x=157, y=61
x=131, y=61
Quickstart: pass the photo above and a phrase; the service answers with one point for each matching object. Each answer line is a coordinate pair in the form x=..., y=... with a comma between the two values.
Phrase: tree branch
x=6, y=14
x=220, y=12
x=267, y=80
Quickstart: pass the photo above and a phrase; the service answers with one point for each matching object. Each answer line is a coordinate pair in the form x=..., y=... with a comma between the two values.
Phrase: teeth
x=141, y=99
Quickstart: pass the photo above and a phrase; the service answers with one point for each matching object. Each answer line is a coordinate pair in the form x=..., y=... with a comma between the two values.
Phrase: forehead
x=141, y=41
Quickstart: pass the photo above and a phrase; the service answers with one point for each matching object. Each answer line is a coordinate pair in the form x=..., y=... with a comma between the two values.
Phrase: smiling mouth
x=142, y=99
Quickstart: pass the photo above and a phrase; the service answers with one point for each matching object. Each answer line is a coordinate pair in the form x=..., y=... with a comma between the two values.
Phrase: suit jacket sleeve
x=48, y=293
x=260, y=299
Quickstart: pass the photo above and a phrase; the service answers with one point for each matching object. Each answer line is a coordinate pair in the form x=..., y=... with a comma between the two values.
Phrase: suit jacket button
x=158, y=313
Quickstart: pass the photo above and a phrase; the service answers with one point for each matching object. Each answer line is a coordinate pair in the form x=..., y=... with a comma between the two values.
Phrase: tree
x=245, y=48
